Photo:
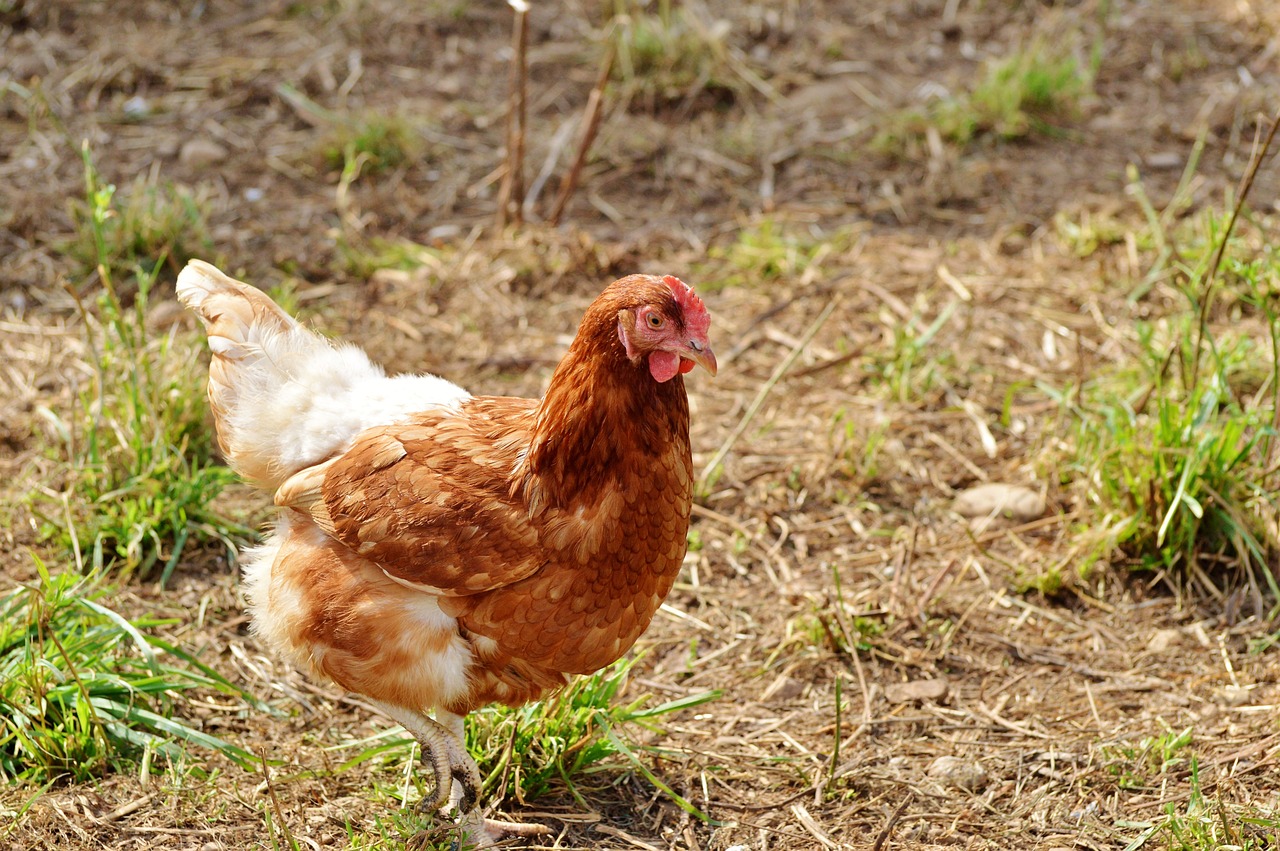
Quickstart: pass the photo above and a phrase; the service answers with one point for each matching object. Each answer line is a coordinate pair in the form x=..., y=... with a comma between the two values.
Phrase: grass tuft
x=85, y=691
x=768, y=252
x=549, y=745
x=1173, y=454
x=150, y=224
x=573, y=734
x=373, y=141
x=359, y=143
x=1137, y=766
x=670, y=55
x=1206, y=824
x=135, y=452
x=361, y=257
x=1028, y=93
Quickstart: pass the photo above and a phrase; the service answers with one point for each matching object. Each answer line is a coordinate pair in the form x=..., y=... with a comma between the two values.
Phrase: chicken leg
x=456, y=775
x=443, y=750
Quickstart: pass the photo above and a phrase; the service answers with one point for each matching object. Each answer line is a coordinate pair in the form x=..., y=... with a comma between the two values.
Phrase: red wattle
x=663, y=366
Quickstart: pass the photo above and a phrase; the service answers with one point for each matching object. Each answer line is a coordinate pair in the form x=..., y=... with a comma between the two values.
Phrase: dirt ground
x=800, y=544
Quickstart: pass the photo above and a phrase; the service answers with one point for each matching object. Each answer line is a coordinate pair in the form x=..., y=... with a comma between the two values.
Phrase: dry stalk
x=884, y=834
x=591, y=116
x=754, y=408
x=511, y=192
x=810, y=824
x=1246, y=183
x=1210, y=279
x=275, y=801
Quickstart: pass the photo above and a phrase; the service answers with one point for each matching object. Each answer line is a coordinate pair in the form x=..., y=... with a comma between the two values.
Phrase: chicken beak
x=701, y=354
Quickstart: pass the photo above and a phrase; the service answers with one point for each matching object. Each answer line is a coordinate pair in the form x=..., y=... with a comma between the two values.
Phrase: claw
x=472, y=832
x=469, y=789
x=456, y=783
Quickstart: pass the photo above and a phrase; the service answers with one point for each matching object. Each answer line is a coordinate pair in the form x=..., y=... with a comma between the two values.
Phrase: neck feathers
x=602, y=417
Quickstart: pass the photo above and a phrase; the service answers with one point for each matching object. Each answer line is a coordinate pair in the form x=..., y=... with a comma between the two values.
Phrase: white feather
x=303, y=400
x=288, y=398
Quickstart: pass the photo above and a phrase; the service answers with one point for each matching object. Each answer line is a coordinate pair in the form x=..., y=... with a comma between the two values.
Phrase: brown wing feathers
x=427, y=501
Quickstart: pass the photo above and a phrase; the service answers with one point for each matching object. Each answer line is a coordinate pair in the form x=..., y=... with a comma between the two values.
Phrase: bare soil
x=800, y=543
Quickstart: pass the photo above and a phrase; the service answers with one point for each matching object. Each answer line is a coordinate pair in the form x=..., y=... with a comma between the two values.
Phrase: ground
x=858, y=628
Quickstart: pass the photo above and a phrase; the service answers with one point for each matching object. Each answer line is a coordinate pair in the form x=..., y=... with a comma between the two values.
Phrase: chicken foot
x=444, y=753
x=441, y=740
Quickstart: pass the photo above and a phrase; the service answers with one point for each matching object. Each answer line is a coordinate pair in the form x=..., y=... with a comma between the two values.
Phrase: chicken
x=437, y=551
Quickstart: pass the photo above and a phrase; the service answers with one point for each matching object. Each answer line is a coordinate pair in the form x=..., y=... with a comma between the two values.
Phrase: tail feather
x=284, y=398
x=232, y=312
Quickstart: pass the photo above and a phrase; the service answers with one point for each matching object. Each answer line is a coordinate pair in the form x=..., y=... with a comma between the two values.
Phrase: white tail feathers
x=284, y=398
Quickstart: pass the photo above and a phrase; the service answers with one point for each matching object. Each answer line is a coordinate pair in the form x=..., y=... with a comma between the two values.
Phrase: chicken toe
x=473, y=832
x=445, y=754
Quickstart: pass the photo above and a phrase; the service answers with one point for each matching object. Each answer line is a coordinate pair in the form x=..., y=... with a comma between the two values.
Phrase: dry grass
x=828, y=571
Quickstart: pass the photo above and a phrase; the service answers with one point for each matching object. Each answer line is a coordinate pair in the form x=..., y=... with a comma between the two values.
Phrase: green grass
x=1171, y=452
x=856, y=442
x=1167, y=763
x=769, y=251
x=831, y=623
x=1208, y=824
x=373, y=142
x=362, y=257
x=552, y=745
x=135, y=453
x=671, y=55
x=357, y=143
x=1137, y=766
x=149, y=224
x=911, y=366
x=1086, y=231
x=85, y=691
x=570, y=736
x=1035, y=90
x=1182, y=480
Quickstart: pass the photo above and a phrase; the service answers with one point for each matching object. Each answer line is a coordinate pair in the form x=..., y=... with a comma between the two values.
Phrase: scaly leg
x=443, y=751
x=466, y=792
x=482, y=831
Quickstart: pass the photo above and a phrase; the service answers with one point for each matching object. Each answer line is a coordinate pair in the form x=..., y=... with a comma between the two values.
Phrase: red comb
x=696, y=317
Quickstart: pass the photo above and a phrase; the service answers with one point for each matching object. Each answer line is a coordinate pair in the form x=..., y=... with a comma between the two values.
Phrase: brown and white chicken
x=437, y=551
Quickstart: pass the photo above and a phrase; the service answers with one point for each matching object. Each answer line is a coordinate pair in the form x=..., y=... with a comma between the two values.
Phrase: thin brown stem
x=511, y=193
x=1246, y=183
x=590, y=126
x=275, y=801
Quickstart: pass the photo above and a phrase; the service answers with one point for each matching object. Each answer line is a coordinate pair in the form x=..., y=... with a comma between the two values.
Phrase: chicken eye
x=655, y=321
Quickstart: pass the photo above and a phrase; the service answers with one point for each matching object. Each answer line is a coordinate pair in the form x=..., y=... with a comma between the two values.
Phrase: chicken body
x=438, y=551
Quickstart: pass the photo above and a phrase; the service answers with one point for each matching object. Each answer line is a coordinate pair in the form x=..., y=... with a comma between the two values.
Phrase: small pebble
x=1236, y=695
x=960, y=773
x=1162, y=639
x=1090, y=810
x=137, y=107
x=1166, y=160
x=444, y=232
x=995, y=499
x=199, y=153
x=935, y=689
